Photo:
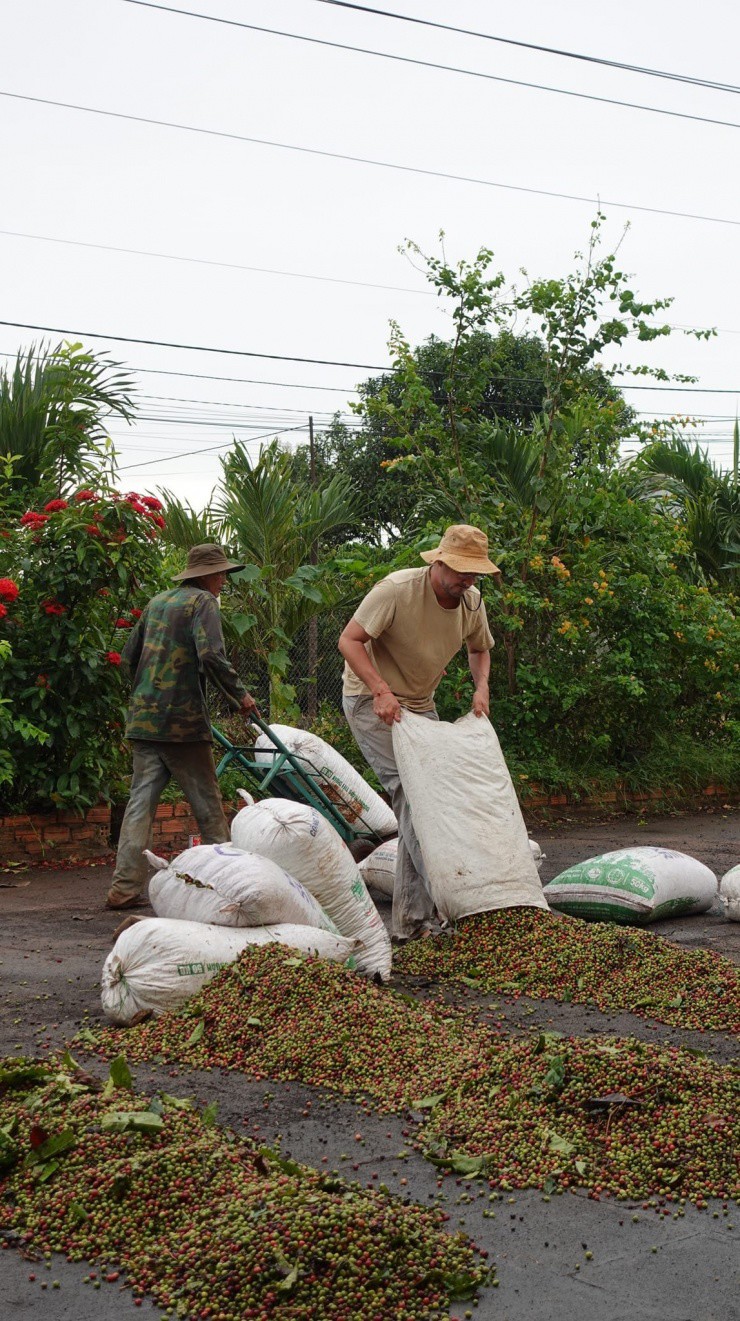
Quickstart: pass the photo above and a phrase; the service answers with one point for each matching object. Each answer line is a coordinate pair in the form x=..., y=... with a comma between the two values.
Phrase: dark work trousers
x=192, y=766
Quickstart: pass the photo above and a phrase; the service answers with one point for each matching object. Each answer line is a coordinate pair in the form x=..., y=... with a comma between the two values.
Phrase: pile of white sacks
x=286, y=877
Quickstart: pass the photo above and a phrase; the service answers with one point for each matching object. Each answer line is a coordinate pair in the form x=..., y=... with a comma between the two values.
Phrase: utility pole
x=312, y=703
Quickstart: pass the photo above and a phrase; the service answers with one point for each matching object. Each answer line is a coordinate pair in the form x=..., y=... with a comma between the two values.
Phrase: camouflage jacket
x=176, y=645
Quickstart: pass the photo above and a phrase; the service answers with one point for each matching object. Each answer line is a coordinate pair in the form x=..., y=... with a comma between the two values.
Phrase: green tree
x=467, y=461
x=54, y=404
x=682, y=480
x=277, y=526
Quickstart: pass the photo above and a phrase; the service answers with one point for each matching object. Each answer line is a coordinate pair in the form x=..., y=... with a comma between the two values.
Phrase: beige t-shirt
x=414, y=637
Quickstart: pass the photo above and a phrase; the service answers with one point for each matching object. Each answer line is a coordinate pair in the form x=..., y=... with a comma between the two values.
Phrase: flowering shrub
x=78, y=574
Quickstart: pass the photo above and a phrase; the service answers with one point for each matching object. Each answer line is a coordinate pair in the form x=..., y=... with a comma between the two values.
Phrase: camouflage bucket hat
x=206, y=559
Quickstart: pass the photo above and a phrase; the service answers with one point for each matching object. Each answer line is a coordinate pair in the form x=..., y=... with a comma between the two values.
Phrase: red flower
x=92, y=529
x=53, y=608
x=123, y=623
x=42, y=681
x=55, y=505
x=136, y=614
x=156, y=519
x=103, y=591
x=3, y=610
x=152, y=502
x=8, y=589
x=34, y=520
x=86, y=495
x=113, y=657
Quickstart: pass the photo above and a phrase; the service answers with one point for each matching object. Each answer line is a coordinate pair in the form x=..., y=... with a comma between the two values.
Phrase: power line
x=187, y=454
x=546, y=50
x=224, y=265
x=430, y=64
x=234, y=380
x=226, y=403
x=326, y=362
x=197, y=348
x=266, y=270
x=367, y=160
x=241, y=380
x=682, y=389
x=233, y=425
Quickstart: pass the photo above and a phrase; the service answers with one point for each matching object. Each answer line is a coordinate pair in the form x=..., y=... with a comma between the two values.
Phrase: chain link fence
x=315, y=669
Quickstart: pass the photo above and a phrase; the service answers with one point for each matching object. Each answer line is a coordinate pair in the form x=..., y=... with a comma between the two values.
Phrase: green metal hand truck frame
x=287, y=776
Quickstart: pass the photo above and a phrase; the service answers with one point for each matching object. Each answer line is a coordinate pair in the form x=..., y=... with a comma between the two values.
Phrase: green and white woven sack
x=633, y=886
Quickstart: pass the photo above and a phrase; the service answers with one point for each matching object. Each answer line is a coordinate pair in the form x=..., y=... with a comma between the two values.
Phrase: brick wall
x=69, y=837
x=612, y=802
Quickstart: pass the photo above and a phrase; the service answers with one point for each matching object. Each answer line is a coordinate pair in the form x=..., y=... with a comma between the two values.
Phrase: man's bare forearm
x=480, y=667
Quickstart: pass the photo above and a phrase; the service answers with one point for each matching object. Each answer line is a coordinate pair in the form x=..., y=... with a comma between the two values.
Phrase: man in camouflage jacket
x=176, y=646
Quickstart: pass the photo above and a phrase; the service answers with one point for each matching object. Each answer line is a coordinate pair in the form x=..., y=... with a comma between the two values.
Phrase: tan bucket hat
x=464, y=549
x=206, y=559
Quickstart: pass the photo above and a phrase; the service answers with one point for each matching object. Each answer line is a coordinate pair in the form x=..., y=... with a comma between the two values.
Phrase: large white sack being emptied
x=301, y=840
x=634, y=886
x=341, y=783
x=157, y=964
x=222, y=884
x=378, y=869
x=466, y=815
x=729, y=893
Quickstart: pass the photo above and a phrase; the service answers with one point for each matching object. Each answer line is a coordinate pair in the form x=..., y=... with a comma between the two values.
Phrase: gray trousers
x=413, y=908
x=192, y=766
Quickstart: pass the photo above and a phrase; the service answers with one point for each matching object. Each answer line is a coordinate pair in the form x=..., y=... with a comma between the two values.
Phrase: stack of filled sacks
x=214, y=900
x=296, y=837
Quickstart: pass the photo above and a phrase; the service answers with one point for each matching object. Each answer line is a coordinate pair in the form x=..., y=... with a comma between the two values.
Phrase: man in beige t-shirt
x=396, y=648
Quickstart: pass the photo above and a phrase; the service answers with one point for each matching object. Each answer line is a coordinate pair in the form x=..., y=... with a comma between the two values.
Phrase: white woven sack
x=378, y=869
x=340, y=782
x=466, y=816
x=298, y=838
x=222, y=884
x=729, y=893
x=634, y=886
x=537, y=854
x=157, y=964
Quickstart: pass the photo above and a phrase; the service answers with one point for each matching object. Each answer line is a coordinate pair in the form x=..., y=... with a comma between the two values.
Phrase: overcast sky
x=198, y=212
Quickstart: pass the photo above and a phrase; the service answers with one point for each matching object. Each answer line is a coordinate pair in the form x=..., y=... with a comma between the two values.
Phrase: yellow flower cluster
x=601, y=584
x=559, y=567
x=536, y=562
